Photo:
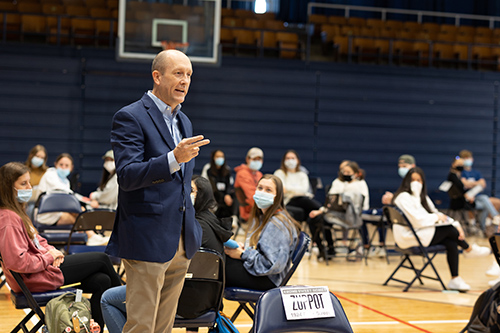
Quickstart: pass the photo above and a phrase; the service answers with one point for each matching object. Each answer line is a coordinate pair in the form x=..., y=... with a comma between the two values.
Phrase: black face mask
x=347, y=178
x=459, y=168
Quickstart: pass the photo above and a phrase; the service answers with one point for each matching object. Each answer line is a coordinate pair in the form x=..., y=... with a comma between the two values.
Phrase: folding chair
x=270, y=317
x=396, y=217
x=96, y=220
x=34, y=301
x=206, y=278
x=248, y=297
x=57, y=202
x=349, y=222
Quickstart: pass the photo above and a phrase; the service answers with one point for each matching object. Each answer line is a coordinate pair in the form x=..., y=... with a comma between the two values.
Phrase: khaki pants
x=153, y=291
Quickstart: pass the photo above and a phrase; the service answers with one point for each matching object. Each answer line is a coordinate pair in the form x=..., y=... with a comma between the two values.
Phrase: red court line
x=383, y=314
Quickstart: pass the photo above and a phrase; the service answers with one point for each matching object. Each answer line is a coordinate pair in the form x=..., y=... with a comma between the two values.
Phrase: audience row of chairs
x=206, y=267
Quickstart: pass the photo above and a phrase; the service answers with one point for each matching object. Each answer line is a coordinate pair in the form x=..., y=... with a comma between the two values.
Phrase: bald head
x=165, y=57
x=171, y=71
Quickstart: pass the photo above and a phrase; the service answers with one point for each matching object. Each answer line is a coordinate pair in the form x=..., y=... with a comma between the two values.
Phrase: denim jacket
x=273, y=254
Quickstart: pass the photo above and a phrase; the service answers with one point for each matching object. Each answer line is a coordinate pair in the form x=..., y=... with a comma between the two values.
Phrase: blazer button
x=182, y=209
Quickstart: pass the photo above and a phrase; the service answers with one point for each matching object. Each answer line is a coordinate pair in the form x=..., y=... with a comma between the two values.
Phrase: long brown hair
x=9, y=174
x=35, y=151
x=277, y=209
x=406, y=187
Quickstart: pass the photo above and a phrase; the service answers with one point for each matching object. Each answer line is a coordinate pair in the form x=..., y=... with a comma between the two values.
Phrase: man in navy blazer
x=155, y=231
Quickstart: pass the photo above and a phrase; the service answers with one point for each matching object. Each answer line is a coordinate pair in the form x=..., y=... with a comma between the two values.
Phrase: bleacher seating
x=409, y=42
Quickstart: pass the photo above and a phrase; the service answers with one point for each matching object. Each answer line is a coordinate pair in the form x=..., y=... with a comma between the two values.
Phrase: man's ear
x=156, y=77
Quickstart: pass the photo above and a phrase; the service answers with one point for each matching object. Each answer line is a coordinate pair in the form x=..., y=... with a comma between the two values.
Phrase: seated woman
x=215, y=233
x=262, y=262
x=106, y=195
x=219, y=175
x=296, y=186
x=42, y=266
x=347, y=182
x=56, y=179
x=432, y=227
x=37, y=163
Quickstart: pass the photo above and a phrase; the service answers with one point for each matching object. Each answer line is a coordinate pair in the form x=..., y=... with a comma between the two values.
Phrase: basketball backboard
x=146, y=28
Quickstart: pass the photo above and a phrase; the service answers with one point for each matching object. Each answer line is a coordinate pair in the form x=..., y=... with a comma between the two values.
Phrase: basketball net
x=169, y=45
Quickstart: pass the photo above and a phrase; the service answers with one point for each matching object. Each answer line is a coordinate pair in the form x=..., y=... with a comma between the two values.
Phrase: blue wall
x=65, y=99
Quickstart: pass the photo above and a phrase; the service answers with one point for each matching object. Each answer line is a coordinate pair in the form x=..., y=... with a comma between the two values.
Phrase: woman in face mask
x=262, y=262
x=56, y=180
x=298, y=197
x=37, y=162
x=219, y=175
x=349, y=180
x=43, y=267
x=106, y=195
x=432, y=227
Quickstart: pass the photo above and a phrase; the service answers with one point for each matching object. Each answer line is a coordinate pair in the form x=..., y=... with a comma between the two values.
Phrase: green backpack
x=60, y=311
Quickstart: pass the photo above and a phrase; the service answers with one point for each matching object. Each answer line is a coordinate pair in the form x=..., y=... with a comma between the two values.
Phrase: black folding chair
x=396, y=217
x=99, y=220
x=248, y=298
x=201, y=296
x=34, y=301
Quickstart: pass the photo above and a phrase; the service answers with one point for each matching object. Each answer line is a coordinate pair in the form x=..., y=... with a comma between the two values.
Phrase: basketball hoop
x=169, y=45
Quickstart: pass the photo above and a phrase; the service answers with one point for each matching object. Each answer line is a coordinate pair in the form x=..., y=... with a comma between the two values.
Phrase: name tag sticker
x=307, y=303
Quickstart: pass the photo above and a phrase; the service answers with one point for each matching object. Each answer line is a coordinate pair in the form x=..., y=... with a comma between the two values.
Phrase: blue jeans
x=113, y=309
x=485, y=208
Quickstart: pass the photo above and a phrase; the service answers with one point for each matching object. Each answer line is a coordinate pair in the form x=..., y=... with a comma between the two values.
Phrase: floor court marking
x=383, y=314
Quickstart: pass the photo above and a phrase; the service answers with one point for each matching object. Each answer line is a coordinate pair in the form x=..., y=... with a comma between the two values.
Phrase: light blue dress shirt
x=173, y=126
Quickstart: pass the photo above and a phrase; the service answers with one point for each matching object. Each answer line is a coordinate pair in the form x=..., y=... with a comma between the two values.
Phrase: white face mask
x=416, y=188
x=291, y=164
x=109, y=166
x=193, y=198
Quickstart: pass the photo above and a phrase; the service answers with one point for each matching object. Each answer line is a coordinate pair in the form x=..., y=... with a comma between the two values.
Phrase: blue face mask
x=219, y=161
x=63, y=173
x=468, y=162
x=263, y=200
x=37, y=161
x=255, y=165
x=24, y=195
x=402, y=172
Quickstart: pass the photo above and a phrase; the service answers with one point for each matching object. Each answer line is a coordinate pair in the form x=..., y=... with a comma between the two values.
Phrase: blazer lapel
x=158, y=120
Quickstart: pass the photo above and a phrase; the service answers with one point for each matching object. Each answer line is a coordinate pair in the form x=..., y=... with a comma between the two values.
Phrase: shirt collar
x=164, y=108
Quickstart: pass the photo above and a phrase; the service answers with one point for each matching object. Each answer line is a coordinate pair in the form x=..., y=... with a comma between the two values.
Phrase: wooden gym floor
x=370, y=306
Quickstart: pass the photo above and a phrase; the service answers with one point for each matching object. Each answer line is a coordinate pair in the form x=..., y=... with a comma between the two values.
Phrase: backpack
x=59, y=313
x=223, y=325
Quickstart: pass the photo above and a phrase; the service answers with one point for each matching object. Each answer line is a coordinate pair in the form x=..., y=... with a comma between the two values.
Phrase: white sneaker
x=496, y=220
x=494, y=269
x=382, y=253
x=477, y=251
x=97, y=240
x=493, y=282
x=374, y=250
x=458, y=284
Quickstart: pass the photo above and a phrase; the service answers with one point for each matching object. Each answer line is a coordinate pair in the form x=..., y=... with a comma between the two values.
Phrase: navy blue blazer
x=153, y=204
